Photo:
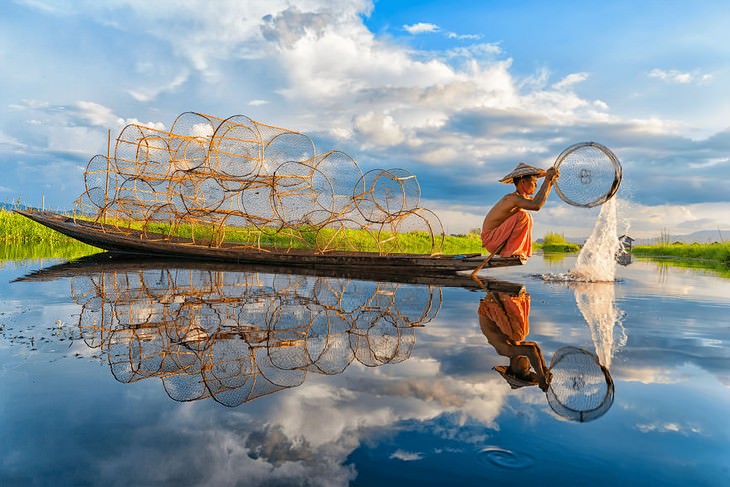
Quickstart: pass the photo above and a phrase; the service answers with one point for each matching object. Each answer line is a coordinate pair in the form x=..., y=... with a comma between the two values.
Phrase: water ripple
x=506, y=458
x=565, y=277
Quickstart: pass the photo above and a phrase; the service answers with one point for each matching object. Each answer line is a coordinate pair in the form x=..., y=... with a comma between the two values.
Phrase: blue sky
x=455, y=93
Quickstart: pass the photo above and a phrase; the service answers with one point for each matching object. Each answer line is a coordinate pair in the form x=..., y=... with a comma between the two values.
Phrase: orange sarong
x=515, y=233
x=511, y=313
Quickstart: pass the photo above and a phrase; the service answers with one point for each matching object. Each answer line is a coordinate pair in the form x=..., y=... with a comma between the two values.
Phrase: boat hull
x=135, y=242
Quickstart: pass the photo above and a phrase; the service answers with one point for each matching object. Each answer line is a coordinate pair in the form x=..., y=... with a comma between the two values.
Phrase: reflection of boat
x=130, y=262
x=207, y=331
x=138, y=242
x=235, y=336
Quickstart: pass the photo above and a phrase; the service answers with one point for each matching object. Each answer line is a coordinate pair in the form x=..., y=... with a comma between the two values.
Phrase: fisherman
x=507, y=228
x=504, y=321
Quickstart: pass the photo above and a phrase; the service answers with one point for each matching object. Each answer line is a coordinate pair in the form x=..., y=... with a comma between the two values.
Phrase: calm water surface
x=118, y=374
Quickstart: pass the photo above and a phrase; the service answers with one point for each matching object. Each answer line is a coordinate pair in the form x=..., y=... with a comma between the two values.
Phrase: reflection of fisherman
x=504, y=320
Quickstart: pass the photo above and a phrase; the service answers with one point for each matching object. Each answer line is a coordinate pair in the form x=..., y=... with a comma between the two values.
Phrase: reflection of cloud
x=304, y=437
x=377, y=401
x=406, y=456
x=651, y=375
x=668, y=428
x=273, y=446
x=223, y=451
x=307, y=434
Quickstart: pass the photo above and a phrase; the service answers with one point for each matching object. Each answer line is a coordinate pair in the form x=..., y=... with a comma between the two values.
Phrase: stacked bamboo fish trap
x=240, y=183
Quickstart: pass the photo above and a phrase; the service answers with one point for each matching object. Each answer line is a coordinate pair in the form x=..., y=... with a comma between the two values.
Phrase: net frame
x=558, y=401
x=569, y=155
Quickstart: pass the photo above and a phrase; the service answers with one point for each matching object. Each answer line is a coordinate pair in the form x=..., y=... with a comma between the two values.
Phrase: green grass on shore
x=556, y=243
x=718, y=269
x=22, y=238
x=714, y=257
x=18, y=229
x=717, y=252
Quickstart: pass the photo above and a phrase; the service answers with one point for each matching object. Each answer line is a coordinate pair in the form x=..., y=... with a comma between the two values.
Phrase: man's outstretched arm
x=540, y=198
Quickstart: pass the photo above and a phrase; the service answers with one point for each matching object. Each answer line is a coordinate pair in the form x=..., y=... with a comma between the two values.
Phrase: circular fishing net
x=127, y=152
x=382, y=195
x=235, y=149
x=590, y=174
x=195, y=125
x=289, y=146
x=295, y=194
x=342, y=172
x=581, y=389
x=184, y=387
x=229, y=366
x=153, y=158
x=100, y=181
x=327, y=343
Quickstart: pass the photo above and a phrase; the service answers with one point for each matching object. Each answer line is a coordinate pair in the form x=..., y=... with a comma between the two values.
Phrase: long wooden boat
x=134, y=242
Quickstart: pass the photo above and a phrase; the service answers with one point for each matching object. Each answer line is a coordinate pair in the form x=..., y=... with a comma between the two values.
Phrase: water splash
x=596, y=302
x=597, y=259
x=592, y=280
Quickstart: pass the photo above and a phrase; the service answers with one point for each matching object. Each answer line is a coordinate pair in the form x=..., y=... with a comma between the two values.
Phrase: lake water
x=162, y=374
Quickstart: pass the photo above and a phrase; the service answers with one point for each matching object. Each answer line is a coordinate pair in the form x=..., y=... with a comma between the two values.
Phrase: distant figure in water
x=507, y=228
x=504, y=320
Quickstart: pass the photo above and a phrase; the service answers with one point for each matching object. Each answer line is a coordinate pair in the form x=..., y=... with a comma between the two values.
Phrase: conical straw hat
x=514, y=381
x=522, y=169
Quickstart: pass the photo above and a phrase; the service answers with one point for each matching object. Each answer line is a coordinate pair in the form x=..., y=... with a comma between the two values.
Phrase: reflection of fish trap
x=235, y=336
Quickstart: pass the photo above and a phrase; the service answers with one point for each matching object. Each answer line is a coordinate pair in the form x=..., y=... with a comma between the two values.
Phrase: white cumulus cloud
x=421, y=27
x=680, y=77
x=570, y=80
x=379, y=128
